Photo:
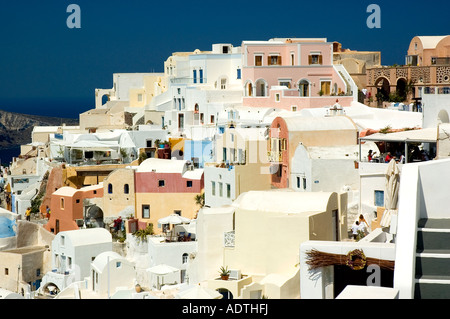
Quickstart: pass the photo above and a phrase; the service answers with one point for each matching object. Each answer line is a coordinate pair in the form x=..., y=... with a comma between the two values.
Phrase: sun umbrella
x=199, y=292
x=173, y=219
x=391, y=192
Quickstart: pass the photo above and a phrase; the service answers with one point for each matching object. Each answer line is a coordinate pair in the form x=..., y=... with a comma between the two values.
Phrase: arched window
x=185, y=258
x=110, y=188
x=126, y=189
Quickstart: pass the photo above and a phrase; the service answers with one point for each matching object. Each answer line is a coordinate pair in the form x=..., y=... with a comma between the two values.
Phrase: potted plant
x=224, y=273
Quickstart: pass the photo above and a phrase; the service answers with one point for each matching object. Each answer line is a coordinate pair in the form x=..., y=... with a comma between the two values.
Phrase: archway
x=261, y=87
x=303, y=88
x=225, y=293
x=383, y=89
x=401, y=89
x=95, y=216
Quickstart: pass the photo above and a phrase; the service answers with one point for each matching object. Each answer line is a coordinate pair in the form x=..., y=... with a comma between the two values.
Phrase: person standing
x=355, y=229
x=28, y=214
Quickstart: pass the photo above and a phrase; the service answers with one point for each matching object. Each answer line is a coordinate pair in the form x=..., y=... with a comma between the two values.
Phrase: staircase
x=433, y=259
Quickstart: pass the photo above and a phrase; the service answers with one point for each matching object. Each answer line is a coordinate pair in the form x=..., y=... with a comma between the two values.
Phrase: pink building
x=164, y=187
x=292, y=74
x=67, y=209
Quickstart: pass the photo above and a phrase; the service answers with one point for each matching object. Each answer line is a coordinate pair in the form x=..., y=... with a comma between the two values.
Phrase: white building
x=72, y=254
x=200, y=85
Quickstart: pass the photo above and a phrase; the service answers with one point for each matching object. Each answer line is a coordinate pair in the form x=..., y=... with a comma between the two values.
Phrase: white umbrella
x=174, y=219
x=198, y=292
x=391, y=192
x=162, y=269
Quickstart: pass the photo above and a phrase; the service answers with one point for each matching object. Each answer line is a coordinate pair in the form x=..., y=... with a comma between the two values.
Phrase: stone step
x=433, y=240
x=436, y=223
x=433, y=266
x=428, y=290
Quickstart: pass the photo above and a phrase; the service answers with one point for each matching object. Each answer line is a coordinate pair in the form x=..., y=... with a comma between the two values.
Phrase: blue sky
x=47, y=68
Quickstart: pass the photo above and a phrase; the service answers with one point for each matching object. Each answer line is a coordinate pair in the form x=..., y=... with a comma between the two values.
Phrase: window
x=110, y=188
x=139, y=98
x=177, y=212
x=379, y=198
x=258, y=60
x=304, y=182
x=189, y=184
x=77, y=201
x=62, y=241
x=212, y=119
x=6, y=271
x=201, y=75
x=145, y=211
x=184, y=258
x=298, y=182
x=228, y=191
x=292, y=58
x=294, y=108
x=274, y=60
x=315, y=58
x=220, y=189
x=38, y=272
x=161, y=183
x=213, y=188
x=223, y=83
x=118, y=264
x=194, y=75
x=61, y=203
x=286, y=83
x=238, y=74
x=126, y=189
x=277, y=97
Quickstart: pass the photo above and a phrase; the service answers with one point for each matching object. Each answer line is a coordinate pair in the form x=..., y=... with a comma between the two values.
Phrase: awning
x=427, y=135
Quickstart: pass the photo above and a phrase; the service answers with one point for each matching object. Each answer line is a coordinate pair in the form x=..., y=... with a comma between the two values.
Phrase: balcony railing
x=274, y=156
x=228, y=239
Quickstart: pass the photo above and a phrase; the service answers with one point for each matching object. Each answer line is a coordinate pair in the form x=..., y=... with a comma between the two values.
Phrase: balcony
x=275, y=156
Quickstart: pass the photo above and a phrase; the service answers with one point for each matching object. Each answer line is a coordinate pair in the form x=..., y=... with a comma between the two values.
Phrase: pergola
x=426, y=135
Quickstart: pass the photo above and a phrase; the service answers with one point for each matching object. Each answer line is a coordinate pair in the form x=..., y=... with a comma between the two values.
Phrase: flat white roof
x=89, y=236
x=284, y=201
x=162, y=166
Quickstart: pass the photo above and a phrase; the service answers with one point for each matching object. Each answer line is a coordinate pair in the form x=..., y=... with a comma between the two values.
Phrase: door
x=180, y=121
x=325, y=87
x=335, y=221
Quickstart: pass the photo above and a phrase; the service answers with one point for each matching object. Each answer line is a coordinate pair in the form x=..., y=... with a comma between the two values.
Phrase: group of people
x=399, y=159
x=360, y=227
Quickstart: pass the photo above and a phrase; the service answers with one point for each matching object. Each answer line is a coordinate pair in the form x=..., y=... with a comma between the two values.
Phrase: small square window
x=161, y=183
x=189, y=184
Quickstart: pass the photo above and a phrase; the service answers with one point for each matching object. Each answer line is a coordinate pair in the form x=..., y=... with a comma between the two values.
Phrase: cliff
x=16, y=128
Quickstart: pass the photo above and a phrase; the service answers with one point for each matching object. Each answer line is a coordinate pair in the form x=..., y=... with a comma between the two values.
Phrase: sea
x=7, y=154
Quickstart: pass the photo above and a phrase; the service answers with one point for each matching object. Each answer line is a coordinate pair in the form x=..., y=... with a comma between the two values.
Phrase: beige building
x=118, y=193
x=241, y=165
x=269, y=227
x=22, y=268
x=426, y=71
x=356, y=62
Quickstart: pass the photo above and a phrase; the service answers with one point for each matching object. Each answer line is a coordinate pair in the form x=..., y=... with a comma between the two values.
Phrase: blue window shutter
x=194, y=72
